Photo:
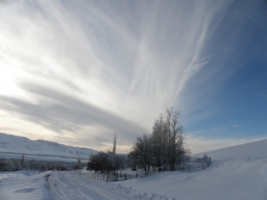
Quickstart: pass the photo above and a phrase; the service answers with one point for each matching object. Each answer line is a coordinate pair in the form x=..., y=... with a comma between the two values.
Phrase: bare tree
x=142, y=152
x=175, y=138
x=158, y=142
x=165, y=147
x=22, y=160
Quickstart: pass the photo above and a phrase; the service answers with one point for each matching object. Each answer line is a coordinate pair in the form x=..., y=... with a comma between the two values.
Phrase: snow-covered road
x=67, y=185
x=71, y=185
x=24, y=185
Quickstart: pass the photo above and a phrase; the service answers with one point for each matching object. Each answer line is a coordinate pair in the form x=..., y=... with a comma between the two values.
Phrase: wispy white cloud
x=131, y=60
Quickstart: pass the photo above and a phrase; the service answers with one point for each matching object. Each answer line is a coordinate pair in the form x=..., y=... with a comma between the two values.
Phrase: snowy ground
x=236, y=173
x=24, y=185
x=65, y=185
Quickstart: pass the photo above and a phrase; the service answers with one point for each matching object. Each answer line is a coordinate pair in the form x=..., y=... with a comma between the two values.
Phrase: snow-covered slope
x=253, y=150
x=12, y=145
x=238, y=172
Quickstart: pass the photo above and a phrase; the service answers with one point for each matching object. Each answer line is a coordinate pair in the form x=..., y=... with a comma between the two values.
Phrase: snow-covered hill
x=256, y=149
x=238, y=172
x=11, y=145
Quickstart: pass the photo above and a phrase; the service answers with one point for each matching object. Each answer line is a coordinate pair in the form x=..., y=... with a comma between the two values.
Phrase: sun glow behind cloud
x=88, y=69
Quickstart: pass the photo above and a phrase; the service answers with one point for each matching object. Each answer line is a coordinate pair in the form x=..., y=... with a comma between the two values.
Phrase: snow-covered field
x=236, y=173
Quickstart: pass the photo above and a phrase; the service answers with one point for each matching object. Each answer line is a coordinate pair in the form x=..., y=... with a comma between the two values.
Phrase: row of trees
x=13, y=164
x=164, y=147
x=107, y=162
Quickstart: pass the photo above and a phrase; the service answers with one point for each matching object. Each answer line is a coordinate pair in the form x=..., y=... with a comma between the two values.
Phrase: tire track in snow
x=71, y=185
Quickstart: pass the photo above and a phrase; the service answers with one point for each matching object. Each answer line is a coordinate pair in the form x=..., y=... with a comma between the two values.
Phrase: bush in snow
x=107, y=162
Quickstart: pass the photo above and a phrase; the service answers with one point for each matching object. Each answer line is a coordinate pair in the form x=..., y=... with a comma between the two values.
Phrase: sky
x=77, y=72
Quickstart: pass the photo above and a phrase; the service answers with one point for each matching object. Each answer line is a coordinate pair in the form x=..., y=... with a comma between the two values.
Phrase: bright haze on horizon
x=76, y=72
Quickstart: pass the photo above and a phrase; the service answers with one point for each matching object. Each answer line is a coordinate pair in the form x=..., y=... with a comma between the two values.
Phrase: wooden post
x=125, y=176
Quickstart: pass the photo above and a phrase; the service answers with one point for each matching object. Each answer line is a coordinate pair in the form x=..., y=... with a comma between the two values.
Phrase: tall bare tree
x=142, y=152
x=158, y=141
x=165, y=147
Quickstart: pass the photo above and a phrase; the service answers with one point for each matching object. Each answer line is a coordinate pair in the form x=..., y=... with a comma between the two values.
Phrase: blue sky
x=77, y=72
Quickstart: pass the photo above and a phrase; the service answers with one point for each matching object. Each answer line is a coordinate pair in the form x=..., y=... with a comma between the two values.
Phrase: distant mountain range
x=15, y=146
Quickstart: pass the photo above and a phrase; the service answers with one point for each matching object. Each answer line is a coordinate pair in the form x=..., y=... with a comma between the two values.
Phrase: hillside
x=14, y=146
x=238, y=172
x=256, y=149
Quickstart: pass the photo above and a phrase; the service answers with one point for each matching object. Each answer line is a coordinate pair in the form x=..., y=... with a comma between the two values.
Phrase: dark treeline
x=40, y=165
x=107, y=162
x=163, y=148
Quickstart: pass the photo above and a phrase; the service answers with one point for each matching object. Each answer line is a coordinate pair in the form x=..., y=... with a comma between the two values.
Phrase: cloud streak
x=112, y=67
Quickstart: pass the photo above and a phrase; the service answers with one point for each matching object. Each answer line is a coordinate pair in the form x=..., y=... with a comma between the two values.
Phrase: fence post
x=125, y=177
